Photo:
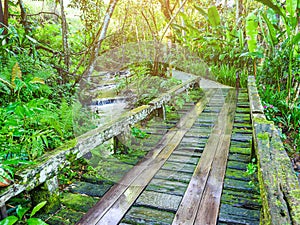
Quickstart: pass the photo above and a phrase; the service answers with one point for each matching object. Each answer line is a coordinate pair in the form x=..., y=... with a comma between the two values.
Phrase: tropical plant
x=22, y=218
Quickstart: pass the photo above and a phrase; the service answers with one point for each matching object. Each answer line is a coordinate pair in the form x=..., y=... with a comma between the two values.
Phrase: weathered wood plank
x=210, y=203
x=112, y=207
x=201, y=186
x=279, y=185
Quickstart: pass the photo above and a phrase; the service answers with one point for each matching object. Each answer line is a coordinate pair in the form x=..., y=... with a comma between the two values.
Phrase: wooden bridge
x=193, y=170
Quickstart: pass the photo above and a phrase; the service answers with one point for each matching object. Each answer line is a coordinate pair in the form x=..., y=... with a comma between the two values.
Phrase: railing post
x=122, y=141
x=3, y=212
x=161, y=112
x=48, y=191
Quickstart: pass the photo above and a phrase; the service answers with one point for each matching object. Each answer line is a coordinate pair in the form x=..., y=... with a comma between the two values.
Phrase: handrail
x=279, y=186
x=48, y=165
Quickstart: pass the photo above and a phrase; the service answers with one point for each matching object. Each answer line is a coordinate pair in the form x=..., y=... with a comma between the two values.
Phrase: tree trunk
x=239, y=10
x=165, y=8
x=64, y=28
x=1, y=15
x=6, y=13
x=23, y=16
x=98, y=41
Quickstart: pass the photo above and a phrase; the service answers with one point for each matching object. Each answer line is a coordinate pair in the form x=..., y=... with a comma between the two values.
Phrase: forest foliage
x=46, y=53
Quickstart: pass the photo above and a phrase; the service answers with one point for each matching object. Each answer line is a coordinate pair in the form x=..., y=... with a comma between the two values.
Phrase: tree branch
x=51, y=13
x=98, y=41
x=152, y=32
x=172, y=19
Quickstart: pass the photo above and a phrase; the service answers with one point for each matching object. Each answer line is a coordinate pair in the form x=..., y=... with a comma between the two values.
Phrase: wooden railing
x=47, y=167
x=279, y=186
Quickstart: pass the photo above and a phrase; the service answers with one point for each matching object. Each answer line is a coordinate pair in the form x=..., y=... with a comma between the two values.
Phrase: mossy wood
x=279, y=185
x=115, y=203
x=200, y=204
x=48, y=165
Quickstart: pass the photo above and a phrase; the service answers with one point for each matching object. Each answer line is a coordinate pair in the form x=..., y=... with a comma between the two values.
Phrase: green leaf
x=291, y=7
x=296, y=39
x=37, y=208
x=251, y=31
x=37, y=80
x=6, y=82
x=21, y=211
x=31, y=39
x=258, y=55
x=270, y=4
x=213, y=16
x=9, y=220
x=36, y=221
x=201, y=11
x=241, y=38
x=4, y=174
x=271, y=28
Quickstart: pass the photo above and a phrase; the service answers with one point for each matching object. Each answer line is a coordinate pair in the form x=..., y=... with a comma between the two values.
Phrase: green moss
x=278, y=145
x=235, y=149
x=263, y=136
x=295, y=194
x=262, y=121
x=78, y=202
x=42, y=194
x=67, y=216
x=138, y=109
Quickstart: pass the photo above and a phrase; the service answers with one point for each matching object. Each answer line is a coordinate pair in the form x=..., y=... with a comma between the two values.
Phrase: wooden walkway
x=195, y=174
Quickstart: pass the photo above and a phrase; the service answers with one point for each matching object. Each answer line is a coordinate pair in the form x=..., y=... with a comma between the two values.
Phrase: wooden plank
x=114, y=204
x=210, y=203
x=116, y=192
x=120, y=207
x=188, y=209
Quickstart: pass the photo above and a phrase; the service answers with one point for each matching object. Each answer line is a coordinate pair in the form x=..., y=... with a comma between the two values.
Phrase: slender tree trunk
x=182, y=20
x=98, y=41
x=239, y=10
x=1, y=15
x=6, y=13
x=4, y=16
x=23, y=16
x=64, y=27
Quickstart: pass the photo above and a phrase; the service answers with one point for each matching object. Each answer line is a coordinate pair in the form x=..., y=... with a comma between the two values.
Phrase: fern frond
x=16, y=72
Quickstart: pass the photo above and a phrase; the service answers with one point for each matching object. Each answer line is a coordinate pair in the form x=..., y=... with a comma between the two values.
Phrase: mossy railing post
x=122, y=141
x=279, y=186
x=160, y=112
x=3, y=212
x=47, y=191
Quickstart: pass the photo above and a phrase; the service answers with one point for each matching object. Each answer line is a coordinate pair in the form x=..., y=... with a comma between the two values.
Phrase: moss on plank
x=78, y=202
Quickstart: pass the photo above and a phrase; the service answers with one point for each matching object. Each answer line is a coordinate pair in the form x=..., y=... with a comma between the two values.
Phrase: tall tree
x=96, y=45
x=4, y=15
x=1, y=15
x=64, y=28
